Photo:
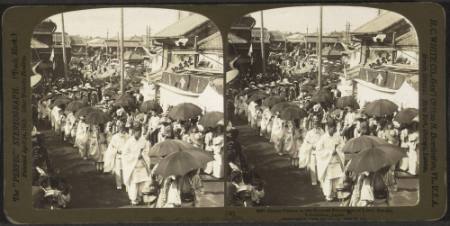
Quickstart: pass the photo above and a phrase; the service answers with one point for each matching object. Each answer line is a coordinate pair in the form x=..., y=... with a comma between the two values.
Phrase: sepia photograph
x=322, y=108
x=128, y=110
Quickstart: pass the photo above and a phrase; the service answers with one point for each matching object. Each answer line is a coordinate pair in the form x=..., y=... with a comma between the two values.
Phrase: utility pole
x=319, y=51
x=106, y=43
x=122, y=66
x=63, y=40
x=262, y=45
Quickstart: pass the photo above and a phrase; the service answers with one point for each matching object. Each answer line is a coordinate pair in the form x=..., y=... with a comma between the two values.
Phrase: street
x=289, y=186
x=97, y=190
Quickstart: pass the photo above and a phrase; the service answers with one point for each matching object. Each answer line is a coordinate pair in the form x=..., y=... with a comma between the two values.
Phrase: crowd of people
x=321, y=131
x=124, y=136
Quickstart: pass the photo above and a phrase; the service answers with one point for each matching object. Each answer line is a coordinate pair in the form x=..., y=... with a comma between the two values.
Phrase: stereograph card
x=224, y=112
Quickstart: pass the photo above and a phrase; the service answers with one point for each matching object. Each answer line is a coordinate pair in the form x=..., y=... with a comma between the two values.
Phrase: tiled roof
x=182, y=27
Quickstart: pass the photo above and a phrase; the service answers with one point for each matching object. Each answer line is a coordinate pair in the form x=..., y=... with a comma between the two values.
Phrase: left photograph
x=127, y=110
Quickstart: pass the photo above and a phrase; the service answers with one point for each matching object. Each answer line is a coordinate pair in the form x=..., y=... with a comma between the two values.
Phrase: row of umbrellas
x=290, y=111
x=183, y=111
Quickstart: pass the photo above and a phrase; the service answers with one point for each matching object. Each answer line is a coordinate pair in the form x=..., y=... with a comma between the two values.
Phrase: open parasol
x=358, y=144
x=97, y=116
x=292, y=112
x=406, y=115
x=380, y=108
x=109, y=92
x=272, y=100
x=60, y=101
x=375, y=158
x=75, y=106
x=322, y=97
x=248, y=91
x=181, y=162
x=211, y=119
x=347, y=101
x=151, y=105
x=125, y=101
x=184, y=111
x=82, y=112
x=259, y=95
x=169, y=146
x=280, y=106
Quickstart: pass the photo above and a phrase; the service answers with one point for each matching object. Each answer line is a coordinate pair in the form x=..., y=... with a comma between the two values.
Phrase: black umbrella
x=211, y=119
x=358, y=144
x=280, y=106
x=125, y=101
x=406, y=115
x=347, y=101
x=60, y=101
x=181, y=162
x=380, y=108
x=82, y=112
x=184, y=111
x=97, y=116
x=257, y=96
x=75, y=106
x=170, y=146
x=375, y=158
x=272, y=100
x=322, y=97
x=292, y=112
x=151, y=105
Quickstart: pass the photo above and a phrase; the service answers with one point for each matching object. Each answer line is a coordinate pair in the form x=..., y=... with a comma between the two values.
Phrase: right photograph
x=322, y=108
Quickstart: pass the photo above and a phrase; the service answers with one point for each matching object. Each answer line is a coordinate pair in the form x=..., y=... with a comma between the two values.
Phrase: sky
x=96, y=22
x=298, y=19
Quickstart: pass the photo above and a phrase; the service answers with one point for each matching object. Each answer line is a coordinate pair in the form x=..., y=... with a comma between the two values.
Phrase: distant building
x=192, y=64
x=384, y=61
x=46, y=46
x=241, y=48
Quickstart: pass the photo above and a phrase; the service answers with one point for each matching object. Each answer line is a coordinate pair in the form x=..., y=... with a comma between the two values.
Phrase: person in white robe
x=215, y=167
x=404, y=144
x=173, y=193
x=307, y=151
x=82, y=138
x=209, y=135
x=330, y=161
x=135, y=165
x=251, y=116
x=277, y=133
x=265, y=119
x=70, y=122
x=56, y=118
x=113, y=155
x=413, y=141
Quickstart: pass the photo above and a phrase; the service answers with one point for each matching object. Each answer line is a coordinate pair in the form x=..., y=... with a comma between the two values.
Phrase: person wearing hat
x=330, y=161
x=112, y=158
x=349, y=123
x=136, y=166
x=307, y=151
x=153, y=126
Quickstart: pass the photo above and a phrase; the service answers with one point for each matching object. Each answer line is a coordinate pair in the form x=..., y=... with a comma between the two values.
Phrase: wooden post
x=63, y=44
x=262, y=44
x=319, y=55
x=122, y=66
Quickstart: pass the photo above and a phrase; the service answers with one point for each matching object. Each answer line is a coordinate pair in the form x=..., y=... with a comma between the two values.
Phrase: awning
x=35, y=44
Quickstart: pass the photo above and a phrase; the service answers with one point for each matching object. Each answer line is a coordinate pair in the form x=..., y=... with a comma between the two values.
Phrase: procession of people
x=353, y=153
x=156, y=155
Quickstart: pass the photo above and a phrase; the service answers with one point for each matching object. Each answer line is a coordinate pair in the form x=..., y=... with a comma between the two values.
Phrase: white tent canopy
x=210, y=100
x=406, y=96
